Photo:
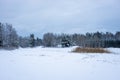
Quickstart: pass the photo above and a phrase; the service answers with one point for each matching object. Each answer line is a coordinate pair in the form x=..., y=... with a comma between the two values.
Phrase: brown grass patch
x=90, y=50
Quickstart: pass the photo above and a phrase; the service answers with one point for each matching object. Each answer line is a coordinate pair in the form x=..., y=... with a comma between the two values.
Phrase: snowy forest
x=10, y=39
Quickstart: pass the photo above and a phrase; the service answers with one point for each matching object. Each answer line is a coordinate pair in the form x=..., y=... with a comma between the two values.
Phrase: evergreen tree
x=1, y=35
x=38, y=42
x=32, y=40
x=65, y=42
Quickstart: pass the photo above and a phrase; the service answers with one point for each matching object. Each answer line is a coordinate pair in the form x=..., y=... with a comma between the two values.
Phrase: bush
x=90, y=50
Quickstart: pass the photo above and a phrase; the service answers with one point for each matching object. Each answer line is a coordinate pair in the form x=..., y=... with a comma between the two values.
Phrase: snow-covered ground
x=58, y=64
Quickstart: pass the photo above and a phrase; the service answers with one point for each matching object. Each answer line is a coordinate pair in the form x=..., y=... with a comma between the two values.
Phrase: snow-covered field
x=58, y=64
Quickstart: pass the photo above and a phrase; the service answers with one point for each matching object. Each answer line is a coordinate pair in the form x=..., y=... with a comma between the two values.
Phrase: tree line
x=94, y=40
x=10, y=39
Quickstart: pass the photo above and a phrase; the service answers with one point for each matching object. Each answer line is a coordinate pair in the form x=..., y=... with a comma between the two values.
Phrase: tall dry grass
x=90, y=50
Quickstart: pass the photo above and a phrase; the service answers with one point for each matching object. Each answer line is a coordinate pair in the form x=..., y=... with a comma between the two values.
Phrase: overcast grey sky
x=61, y=16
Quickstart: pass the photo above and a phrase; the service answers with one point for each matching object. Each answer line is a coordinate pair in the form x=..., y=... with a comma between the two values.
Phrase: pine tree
x=65, y=42
x=1, y=35
x=32, y=40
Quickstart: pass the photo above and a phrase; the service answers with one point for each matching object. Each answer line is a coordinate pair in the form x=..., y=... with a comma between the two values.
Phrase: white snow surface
x=58, y=64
